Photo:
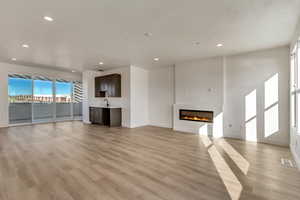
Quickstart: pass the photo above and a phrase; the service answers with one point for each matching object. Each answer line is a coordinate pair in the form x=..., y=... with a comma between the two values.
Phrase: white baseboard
x=4, y=125
x=160, y=125
x=137, y=126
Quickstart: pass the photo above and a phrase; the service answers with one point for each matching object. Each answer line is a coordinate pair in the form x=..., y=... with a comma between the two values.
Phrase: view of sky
x=19, y=86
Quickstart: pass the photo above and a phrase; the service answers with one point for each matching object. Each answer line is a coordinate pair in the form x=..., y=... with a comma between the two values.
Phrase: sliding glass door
x=43, y=107
x=77, y=100
x=41, y=99
x=63, y=99
x=20, y=99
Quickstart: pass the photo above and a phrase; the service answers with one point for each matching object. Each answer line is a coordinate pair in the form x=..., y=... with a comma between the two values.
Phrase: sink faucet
x=106, y=101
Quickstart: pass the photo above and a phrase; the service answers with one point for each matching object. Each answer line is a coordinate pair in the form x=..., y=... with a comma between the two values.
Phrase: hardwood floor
x=73, y=161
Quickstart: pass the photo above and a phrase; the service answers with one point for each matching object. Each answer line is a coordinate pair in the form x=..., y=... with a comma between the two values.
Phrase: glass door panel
x=20, y=99
x=63, y=99
x=40, y=99
x=77, y=100
x=43, y=107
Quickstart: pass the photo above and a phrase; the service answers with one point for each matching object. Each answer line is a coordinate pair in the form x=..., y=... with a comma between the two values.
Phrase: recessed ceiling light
x=156, y=59
x=147, y=34
x=219, y=45
x=101, y=63
x=73, y=71
x=13, y=59
x=25, y=45
x=47, y=18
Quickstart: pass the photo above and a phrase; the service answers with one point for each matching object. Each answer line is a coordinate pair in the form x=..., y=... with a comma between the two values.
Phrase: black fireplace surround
x=196, y=115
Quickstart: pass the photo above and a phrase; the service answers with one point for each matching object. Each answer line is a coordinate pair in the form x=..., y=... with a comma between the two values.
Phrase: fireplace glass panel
x=196, y=115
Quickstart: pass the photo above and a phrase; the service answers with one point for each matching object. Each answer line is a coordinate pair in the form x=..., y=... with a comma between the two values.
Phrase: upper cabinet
x=109, y=85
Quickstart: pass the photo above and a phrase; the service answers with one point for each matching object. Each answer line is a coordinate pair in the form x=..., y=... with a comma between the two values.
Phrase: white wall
x=134, y=100
x=217, y=84
x=198, y=85
x=161, y=96
x=295, y=36
x=221, y=84
x=6, y=69
x=91, y=100
x=88, y=85
x=294, y=136
x=248, y=72
x=138, y=97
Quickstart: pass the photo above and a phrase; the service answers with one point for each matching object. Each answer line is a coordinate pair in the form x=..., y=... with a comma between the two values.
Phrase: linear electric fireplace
x=196, y=115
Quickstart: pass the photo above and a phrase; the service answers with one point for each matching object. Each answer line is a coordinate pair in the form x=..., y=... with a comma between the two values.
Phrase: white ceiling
x=88, y=31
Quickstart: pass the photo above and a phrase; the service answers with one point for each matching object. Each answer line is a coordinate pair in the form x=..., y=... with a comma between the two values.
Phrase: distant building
x=39, y=99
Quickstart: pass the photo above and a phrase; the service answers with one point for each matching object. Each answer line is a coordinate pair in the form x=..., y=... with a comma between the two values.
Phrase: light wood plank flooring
x=73, y=161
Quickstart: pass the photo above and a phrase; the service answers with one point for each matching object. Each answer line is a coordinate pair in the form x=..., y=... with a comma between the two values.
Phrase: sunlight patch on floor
x=230, y=181
x=239, y=160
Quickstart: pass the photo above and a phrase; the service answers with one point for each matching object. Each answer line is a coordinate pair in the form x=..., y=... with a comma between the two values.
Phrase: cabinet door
x=116, y=82
x=106, y=116
x=115, y=85
x=97, y=86
x=99, y=118
x=109, y=86
x=116, y=117
x=103, y=86
x=96, y=115
x=92, y=115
